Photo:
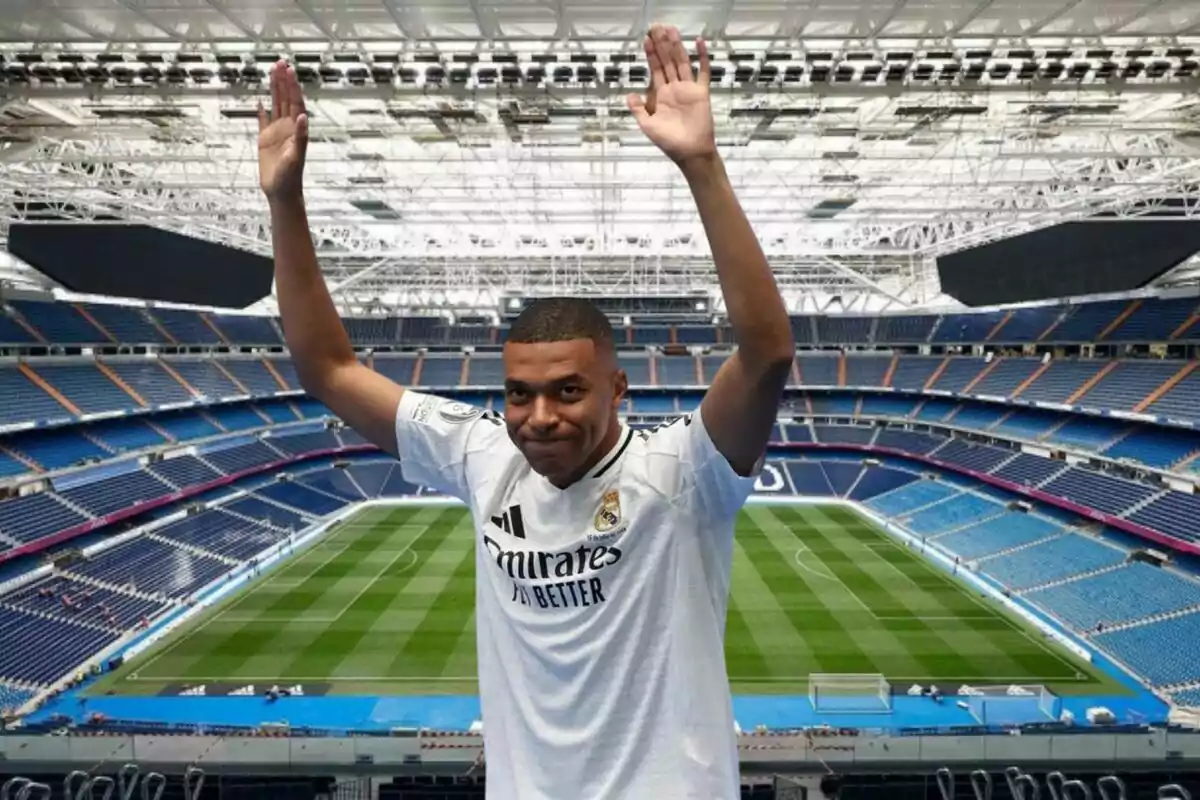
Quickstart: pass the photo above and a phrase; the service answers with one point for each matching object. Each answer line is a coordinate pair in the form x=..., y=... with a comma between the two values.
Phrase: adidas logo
x=195, y=691
x=245, y=691
x=296, y=691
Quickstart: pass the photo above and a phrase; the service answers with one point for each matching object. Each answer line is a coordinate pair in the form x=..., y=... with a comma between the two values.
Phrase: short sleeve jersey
x=600, y=608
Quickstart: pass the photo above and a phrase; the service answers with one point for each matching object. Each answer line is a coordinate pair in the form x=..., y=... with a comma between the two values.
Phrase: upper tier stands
x=27, y=322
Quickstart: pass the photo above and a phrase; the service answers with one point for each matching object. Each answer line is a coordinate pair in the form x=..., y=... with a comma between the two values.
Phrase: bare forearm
x=752, y=300
x=314, y=332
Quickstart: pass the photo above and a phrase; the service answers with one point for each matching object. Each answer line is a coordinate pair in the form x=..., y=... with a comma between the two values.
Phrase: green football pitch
x=384, y=604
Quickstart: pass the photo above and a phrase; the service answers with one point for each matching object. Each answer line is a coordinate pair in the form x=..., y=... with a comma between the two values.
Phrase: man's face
x=559, y=399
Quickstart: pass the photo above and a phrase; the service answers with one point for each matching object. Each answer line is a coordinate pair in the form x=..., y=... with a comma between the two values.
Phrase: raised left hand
x=677, y=113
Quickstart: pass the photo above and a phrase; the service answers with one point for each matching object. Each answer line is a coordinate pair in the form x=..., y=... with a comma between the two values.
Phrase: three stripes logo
x=510, y=522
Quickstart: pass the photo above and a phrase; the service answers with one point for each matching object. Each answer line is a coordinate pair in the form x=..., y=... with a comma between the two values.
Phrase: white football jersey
x=600, y=608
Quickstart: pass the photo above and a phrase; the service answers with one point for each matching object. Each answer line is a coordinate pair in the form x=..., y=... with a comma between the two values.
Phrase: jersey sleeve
x=688, y=467
x=441, y=442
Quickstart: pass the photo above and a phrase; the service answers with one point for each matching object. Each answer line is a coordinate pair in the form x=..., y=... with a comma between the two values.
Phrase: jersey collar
x=613, y=456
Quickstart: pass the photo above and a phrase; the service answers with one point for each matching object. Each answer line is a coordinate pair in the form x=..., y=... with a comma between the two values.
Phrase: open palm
x=283, y=136
x=677, y=112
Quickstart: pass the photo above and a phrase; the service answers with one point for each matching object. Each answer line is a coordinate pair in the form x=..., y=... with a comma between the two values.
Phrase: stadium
x=971, y=562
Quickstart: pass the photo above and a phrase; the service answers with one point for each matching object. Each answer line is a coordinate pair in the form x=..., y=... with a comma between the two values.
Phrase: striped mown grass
x=385, y=605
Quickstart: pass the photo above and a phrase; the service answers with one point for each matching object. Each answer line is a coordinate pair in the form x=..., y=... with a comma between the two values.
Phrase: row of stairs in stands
x=1008, y=552
x=1072, y=578
x=193, y=549
x=1137, y=623
x=146, y=316
x=112, y=587
x=86, y=623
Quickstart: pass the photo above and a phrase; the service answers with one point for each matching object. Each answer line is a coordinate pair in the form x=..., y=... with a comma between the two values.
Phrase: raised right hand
x=282, y=136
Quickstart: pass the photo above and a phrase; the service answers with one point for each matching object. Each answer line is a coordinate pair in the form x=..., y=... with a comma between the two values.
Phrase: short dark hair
x=558, y=319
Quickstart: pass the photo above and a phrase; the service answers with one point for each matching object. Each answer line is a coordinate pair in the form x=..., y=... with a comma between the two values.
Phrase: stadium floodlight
x=849, y=693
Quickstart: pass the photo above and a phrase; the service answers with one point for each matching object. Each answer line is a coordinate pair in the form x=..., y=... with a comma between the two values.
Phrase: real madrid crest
x=609, y=515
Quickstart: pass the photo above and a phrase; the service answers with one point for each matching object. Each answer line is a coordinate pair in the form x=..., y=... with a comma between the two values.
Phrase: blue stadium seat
x=128, y=324
x=676, y=370
x=954, y=512
x=186, y=425
x=372, y=476
x=879, y=480
x=1029, y=470
x=253, y=374
x=287, y=371
x=205, y=378
x=222, y=534
x=185, y=327
x=911, y=497
x=1181, y=401
x=1128, y=384
x=241, y=329
x=1005, y=532
x=59, y=323
x=1175, y=513
x=637, y=368
x=1027, y=423
x=1027, y=324
x=1165, y=653
x=844, y=434
x=184, y=471
x=818, y=369
x=809, y=479
x=972, y=455
x=121, y=435
x=959, y=373
x=107, y=495
x=695, y=334
x=57, y=448
x=909, y=441
x=842, y=475
x=24, y=401
x=1084, y=323
x=1052, y=560
x=274, y=516
x=153, y=383
x=833, y=405
x=240, y=457
x=485, y=370
x=276, y=411
x=913, y=372
x=866, y=370
x=85, y=386
x=236, y=417
x=1133, y=592
x=441, y=371
x=1102, y=492
x=1004, y=378
x=955, y=328
x=36, y=515
x=1089, y=433
x=904, y=329
x=886, y=406
x=298, y=443
x=24, y=632
x=1156, y=447
x=978, y=416
x=302, y=498
x=151, y=566
x=1061, y=380
x=399, y=368
x=1154, y=320
x=11, y=332
x=844, y=329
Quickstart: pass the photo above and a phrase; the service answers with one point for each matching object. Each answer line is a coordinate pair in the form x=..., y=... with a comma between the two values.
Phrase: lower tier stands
x=1066, y=566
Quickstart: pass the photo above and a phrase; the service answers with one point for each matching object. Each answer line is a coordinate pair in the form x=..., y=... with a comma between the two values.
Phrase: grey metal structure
x=462, y=149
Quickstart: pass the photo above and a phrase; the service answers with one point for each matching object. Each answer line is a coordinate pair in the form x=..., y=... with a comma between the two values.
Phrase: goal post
x=849, y=693
x=1013, y=705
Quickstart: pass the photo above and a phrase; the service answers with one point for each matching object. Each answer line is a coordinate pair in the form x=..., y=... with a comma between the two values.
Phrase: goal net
x=848, y=693
x=1013, y=705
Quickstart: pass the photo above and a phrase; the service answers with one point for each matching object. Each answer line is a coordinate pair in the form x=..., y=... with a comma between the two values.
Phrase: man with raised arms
x=602, y=554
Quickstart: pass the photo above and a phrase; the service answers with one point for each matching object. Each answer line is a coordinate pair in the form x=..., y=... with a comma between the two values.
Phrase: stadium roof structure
x=463, y=149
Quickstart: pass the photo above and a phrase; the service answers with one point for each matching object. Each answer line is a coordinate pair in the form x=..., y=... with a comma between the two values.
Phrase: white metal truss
x=464, y=150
